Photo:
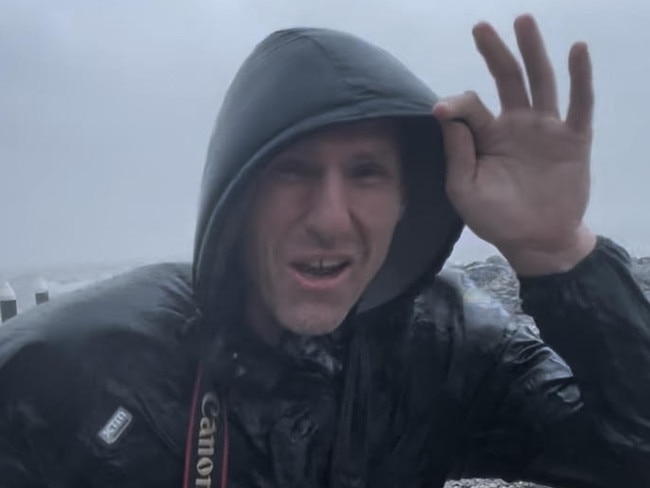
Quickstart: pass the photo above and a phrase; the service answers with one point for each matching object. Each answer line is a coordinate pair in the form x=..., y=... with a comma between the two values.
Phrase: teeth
x=322, y=267
x=325, y=263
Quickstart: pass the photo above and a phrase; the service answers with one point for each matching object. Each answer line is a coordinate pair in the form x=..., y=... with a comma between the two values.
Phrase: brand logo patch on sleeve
x=115, y=426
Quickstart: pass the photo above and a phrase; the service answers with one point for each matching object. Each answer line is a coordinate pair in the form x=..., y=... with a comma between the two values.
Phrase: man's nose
x=329, y=218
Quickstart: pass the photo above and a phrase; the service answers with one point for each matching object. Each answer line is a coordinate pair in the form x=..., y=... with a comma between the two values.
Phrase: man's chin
x=314, y=322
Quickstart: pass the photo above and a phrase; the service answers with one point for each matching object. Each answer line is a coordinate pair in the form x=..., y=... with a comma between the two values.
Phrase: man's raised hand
x=520, y=180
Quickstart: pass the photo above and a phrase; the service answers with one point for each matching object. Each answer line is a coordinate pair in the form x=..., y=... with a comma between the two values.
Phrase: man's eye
x=369, y=171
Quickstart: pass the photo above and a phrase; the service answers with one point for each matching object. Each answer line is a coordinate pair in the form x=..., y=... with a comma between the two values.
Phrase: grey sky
x=106, y=107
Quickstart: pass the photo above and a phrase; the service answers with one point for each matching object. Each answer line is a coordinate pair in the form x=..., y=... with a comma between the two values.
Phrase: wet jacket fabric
x=427, y=379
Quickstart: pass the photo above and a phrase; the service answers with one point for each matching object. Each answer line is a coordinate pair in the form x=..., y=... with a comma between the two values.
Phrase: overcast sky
x=106, y=108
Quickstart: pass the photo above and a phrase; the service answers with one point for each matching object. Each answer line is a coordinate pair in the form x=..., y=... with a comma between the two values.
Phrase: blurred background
x=106, y=109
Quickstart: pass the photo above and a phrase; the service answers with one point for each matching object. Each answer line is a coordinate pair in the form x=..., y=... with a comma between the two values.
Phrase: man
x=313, y=343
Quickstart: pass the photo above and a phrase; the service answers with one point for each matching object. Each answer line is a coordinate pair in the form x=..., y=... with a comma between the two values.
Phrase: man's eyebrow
x=287, y=157
x=293, y=154
x=375, y=156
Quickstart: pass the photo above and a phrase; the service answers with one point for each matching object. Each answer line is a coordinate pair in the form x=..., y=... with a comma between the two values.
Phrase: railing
x=9, y=303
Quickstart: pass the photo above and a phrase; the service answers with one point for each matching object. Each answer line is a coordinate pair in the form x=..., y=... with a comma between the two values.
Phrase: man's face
x=322, y=220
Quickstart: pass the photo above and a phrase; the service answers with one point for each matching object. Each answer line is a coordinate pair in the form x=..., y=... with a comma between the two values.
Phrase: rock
x=641, y=270
x=495, y=276
x=492, y=483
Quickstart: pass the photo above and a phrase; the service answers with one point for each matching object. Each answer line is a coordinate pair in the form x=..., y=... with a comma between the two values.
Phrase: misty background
x=106, y=108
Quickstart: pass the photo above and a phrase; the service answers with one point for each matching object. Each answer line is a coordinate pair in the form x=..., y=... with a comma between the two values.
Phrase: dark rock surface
x=495, y=276
x=490, y=484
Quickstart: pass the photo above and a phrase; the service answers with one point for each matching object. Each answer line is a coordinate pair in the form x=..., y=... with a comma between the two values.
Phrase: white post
x=8, y=306
x=42, y=293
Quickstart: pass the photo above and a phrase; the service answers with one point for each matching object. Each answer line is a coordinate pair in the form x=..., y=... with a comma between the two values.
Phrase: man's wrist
x=529, y=261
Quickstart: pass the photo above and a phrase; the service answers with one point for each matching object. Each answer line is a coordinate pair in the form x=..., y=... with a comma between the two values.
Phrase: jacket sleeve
x=573, y=410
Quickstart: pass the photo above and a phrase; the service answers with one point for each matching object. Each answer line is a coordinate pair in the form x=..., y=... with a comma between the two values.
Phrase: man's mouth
x=322, y=268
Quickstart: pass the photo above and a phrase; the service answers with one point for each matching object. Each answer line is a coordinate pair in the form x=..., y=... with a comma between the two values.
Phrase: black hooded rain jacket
x=422, y=382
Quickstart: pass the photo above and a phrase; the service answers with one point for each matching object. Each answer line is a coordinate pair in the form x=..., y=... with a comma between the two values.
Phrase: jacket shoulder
x=474, y=340
x=66, y=366
x=151, y=304
x=136, y=301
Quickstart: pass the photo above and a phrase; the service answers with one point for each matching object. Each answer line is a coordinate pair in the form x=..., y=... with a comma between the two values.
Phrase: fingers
x=511, y=84
x=460, y=154
x=541, y=78
x=581, y=96
x=463, y=119
x=503, y=66
x=468, y=108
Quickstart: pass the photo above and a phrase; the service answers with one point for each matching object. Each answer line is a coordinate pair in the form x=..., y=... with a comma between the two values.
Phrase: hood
x=300, y=80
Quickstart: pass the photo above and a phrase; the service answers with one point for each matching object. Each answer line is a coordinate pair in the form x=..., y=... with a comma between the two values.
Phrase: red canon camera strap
x=206, y=449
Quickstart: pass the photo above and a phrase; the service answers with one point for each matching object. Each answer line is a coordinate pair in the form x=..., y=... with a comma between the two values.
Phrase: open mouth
x=322, y=268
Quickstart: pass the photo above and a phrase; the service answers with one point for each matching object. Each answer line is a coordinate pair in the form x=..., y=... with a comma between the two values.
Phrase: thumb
x=460, y=154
